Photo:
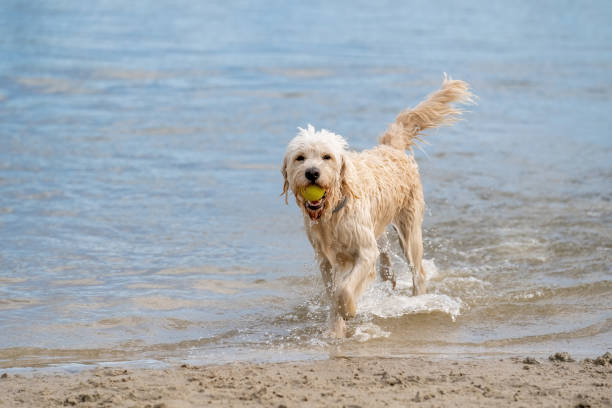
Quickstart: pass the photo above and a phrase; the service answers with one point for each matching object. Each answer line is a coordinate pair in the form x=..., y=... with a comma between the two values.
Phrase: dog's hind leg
x=408, y=225
x=384, y=269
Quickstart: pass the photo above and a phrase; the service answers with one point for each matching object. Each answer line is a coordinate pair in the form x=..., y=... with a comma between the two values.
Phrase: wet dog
x=364, y=192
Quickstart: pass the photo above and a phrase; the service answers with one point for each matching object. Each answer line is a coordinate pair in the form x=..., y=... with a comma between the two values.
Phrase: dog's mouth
x=316, y=205
x=315, y=208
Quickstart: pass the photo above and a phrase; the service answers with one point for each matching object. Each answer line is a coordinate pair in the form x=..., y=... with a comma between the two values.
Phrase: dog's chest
x=333, y=244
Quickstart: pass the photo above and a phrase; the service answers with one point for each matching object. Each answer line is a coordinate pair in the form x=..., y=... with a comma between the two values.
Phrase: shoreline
x=340, y=381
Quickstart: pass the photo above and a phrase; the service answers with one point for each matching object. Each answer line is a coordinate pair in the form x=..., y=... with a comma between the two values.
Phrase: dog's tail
x=433, y=112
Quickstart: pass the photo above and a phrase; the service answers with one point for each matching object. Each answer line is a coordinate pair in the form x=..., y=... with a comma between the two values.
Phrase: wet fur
x=382, y=186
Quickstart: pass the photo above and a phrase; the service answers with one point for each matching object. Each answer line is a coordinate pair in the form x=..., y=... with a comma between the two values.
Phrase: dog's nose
x=312, y=174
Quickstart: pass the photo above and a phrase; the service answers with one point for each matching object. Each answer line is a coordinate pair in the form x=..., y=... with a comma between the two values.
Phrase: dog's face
x=315, y=158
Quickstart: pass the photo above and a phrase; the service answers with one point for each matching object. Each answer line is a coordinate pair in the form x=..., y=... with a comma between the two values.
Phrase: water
x=140, y=217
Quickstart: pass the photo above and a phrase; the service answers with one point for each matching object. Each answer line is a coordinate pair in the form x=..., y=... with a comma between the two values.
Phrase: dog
x=364, y=193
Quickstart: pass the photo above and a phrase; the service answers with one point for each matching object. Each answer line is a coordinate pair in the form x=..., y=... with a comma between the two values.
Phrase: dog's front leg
x=354, y=282
x=337, y=322
x=326, y=273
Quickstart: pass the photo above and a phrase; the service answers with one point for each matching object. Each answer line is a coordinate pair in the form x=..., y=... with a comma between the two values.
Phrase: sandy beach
x=340, y=382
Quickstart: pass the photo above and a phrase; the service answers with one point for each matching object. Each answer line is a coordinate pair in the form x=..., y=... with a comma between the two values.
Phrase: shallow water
x=140, y=217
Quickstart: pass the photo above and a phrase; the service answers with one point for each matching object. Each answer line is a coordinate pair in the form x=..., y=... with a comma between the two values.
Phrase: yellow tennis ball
x=313, y=192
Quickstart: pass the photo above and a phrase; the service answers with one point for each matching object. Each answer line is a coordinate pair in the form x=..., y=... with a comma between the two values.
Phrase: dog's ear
x=286, y=183
x=348, y=178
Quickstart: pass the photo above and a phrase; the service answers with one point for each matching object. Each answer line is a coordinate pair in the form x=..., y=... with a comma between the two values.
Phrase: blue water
x=140, y=150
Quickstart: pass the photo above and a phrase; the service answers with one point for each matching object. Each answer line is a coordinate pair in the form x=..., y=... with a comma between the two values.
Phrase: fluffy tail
x=433, y=112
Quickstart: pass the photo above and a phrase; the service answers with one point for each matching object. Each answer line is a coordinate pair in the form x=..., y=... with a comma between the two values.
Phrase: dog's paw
x=387, y=274
x=338, y=328
x=346, y=303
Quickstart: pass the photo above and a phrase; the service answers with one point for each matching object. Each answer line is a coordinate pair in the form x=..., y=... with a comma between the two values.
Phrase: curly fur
x=381, y=186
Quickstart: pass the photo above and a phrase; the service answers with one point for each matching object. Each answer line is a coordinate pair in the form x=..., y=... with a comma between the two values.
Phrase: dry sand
x=338, y=382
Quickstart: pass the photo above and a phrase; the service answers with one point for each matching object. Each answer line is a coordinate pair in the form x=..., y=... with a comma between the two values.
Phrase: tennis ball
x=313, y=192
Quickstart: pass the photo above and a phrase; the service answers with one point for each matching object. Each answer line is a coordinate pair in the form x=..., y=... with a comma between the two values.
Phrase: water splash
x=369, y=331
x=382, y=301
x=396, y=306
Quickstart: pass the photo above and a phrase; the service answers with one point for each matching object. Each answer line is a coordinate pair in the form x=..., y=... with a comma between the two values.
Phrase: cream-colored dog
x=365, y=192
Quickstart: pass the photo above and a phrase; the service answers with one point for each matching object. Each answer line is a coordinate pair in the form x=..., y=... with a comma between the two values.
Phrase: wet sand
x=340, y=382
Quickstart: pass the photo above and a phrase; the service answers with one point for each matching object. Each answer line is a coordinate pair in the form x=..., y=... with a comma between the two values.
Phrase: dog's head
x=320, y=158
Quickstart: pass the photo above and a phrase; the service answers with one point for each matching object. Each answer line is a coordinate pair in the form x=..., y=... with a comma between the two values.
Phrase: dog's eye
x=326, y=157
x=299, y=158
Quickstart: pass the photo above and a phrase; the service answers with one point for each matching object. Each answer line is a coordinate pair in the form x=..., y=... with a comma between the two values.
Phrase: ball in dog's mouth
x=313, y=192
x=315, y=208
x=315, y=205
